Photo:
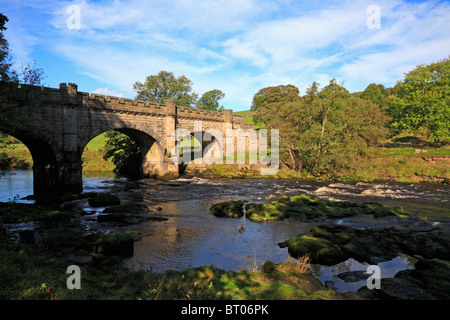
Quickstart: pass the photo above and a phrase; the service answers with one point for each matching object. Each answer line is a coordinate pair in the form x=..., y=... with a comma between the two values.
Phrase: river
x=192, y=237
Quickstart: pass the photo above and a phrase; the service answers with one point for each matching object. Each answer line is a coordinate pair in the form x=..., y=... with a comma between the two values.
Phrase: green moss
x=21, y=212
x=114, y=243
x=321, y=250
x=230, y=209
x=306, y=207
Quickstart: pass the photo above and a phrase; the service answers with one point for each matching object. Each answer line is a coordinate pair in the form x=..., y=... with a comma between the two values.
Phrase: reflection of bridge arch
x=60, y=123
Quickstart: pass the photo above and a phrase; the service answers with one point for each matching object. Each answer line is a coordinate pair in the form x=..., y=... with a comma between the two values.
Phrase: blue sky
x=237, y=46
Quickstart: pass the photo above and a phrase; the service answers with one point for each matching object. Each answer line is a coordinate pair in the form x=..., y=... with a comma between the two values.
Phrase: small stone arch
x=209, y=144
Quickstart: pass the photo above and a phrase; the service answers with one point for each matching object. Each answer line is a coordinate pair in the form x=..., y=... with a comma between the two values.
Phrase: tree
x=125, y=153
x=423, y=101
x=280, y=94
x=6, y=73
x=165, y=86
x=210, y=100
x=325, y=131
x=376, y=94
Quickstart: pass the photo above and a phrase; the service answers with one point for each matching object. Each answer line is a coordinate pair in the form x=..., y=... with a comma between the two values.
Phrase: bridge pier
x=58, y=178
x=71, y=176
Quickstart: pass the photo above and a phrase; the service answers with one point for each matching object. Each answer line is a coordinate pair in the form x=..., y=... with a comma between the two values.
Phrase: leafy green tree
x=165, y=86
x=270, y=95
x=376, y=94
x=423, y=101
x=327, y=130
x=272, y=99
x=6, y=72
x=210, y=100
x=125, y=153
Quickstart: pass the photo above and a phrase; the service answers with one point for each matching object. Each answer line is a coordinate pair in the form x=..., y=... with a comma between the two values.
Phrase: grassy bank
x=400, y=159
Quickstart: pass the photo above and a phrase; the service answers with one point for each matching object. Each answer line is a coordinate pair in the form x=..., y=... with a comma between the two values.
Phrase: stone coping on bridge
x=68, y=94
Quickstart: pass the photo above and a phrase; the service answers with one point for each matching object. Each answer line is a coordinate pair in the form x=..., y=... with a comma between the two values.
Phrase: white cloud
x=411, y=34
x=107, y=92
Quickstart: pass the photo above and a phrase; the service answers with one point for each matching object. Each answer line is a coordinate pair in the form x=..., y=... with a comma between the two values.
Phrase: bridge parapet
x=68, y=94
x=200, y=114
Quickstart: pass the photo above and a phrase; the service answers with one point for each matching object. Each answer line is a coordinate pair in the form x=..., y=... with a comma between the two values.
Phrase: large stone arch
x=147, y=139
x=46, y=168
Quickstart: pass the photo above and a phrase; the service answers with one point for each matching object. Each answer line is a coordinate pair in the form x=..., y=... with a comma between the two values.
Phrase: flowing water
x=192, y=237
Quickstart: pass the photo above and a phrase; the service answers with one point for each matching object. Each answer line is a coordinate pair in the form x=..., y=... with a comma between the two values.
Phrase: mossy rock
x=306, y=207
x=330, y=243
x=112, y=217
x=230, y=209
x=104, y=200
x=265, y=211
x=115, y=244
x=303, y=208
x=380, y=210
x=320, y=250
x=338, y=234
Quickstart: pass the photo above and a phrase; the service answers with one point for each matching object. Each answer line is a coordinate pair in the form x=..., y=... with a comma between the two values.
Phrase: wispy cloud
x=107, y=92
x=236, y=46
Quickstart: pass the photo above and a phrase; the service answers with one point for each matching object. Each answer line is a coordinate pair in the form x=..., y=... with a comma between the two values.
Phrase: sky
x=236, y=46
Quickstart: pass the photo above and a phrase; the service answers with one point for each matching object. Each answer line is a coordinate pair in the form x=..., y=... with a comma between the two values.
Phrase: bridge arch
x=204, y=146
x=45, y=162
x=152, y=154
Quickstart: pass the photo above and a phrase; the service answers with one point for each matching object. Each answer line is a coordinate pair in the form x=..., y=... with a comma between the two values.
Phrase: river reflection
x=192, y=237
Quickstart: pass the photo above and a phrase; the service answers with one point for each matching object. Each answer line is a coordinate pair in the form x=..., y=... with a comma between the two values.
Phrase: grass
x=97, y=144
x=248, y=118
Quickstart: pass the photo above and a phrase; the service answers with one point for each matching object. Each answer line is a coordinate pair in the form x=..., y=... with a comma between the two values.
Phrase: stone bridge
x=61, y=122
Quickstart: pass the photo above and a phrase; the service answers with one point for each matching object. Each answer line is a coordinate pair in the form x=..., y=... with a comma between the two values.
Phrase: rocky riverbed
x=330, y=243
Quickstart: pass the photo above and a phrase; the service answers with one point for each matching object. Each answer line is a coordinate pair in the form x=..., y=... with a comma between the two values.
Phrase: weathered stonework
x=63, y=121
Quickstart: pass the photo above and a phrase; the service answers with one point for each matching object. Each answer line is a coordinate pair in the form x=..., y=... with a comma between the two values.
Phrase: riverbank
x=386, y=165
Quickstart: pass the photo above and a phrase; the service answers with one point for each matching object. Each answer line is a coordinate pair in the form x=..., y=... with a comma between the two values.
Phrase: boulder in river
x=115, y=244
x=303, y=207
x=429, y=280
x=331, y=244
x=231, y=209
x=104, y=200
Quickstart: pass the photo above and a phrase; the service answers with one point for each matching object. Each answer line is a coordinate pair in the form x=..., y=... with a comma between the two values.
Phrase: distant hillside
x=248, y=118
